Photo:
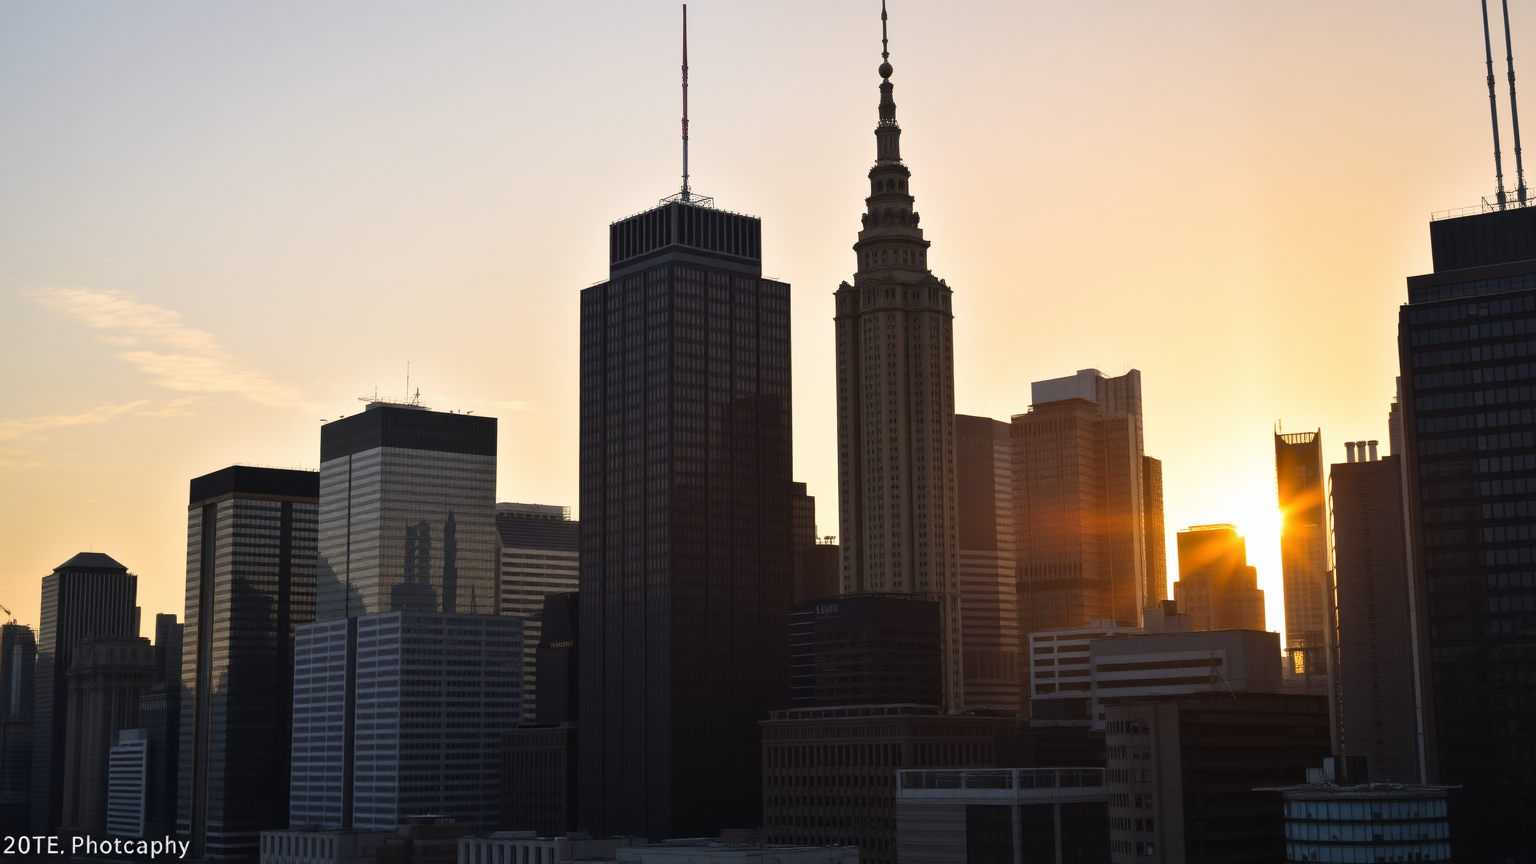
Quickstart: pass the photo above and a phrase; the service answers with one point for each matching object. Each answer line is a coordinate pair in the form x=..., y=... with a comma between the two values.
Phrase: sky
x=221, y=224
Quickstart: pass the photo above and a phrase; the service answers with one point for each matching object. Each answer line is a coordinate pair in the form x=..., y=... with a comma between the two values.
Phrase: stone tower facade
x=896, y=405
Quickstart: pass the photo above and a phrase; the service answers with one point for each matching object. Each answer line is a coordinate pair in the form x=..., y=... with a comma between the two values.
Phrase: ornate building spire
x=891, y=239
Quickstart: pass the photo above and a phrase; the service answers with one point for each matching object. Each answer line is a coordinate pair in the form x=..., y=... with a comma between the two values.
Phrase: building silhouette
x=896, y=405
x=160, y=721
x=1304, y=562
x=989, y=611
x=686, y=572
x=867, y=649
x=89, y=596
x=18, y=667
x=540, y=557
x=107, y=676
x=251, y=548
x=407, y=510
x=1085, y=494
x=1467, y=343
x=1377, y=681
x=1216, y=588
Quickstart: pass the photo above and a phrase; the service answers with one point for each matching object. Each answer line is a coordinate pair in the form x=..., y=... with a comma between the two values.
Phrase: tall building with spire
x=896, y=403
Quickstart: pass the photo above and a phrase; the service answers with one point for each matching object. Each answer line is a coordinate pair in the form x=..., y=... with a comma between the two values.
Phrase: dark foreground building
x=685, y=531
x=865, y=650
x=18, y=663
x=1467, y=338
x=250, y=584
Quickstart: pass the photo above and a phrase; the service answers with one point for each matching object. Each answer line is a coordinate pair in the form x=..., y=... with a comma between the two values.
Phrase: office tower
x=989, y=612
x=401, y=713
x=1467, y=341
x=1308, y=579
x=1216, y=588
x=160, y=719
x=90, y=595
x=686, y=572
x=1081, y=503
x=823, y=564
x=538, y=779
x=128, y=787
x=830, y=773
x=18, y=664
x=1377, y=681
x=540, y=556
x=864, y=650
x=896, y=404
x=1154, y=541
x=250, y=583
x=1183, y=772
x=557, y=658
x=407, y=512
x=107, y=675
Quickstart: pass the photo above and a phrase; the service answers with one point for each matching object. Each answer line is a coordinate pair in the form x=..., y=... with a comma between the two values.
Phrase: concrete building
x=896, y=406
x=1466, y=341
x=251, y=547
x=1055, y=815
x=1152, y=665
x=1063, y=678
x=1216, y=588
x=1365, y=822
x=407, y=512
x=128, y=788
x=106, y=678
x=401, y=713
x=88, y=596
x=18, y=668
x=865, y=650
x=989, y=609
x=829, y=774
x=306, y=846
x=685, y=490
x=1182, y=772
x=1085, y=495
x=530, y=847
x=540, y=556
x=1378, y=680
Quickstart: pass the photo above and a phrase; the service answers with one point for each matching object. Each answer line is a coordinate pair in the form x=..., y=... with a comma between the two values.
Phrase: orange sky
x=221, y=223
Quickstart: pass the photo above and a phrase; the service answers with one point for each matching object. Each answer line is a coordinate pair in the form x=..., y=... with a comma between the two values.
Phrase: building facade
x=540, y=556
x=1378, y=681
x=1216, y=588
x=538, y=779
x=107, y=676
x=686, y=572
x=1304, y=560
x=128, y=787
x=1083, y=503
x=865, y=650
x=1467, y=342
x=970, y=816
x=897, y=492
x=407, y=513
x=18, y=667
x=88, y=596
x=251, y=547
x=989, y=611
x=1366, y=822
x=400, y=714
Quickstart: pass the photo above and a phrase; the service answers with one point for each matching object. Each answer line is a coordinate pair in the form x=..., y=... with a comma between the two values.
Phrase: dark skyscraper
x=1467, y=342
x=18, y=664
x=90, y=595
x=250, y=583
x=407, y=510
x=989, y=608
x=685, y=512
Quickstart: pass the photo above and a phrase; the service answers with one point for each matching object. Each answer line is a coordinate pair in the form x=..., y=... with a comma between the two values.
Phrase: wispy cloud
x=162, y=346
x=30, y=426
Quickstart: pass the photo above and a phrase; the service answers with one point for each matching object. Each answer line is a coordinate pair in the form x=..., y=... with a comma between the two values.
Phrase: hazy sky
x=221, y=223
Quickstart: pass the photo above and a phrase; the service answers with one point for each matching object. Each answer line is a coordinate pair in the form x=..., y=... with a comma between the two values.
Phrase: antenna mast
x=1514, y=110
x=685, y=191
x=1493, y=109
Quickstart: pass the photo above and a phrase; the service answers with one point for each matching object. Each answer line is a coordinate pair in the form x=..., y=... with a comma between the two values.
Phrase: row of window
x=1463, y=377
x=1467, y=444
x=1473, y=398
x=1477, y=354
x=1491, y=330
x=1489, y=419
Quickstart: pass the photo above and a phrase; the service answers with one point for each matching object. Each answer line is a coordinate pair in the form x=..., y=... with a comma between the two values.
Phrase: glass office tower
x=250, y=584
x=685, y=534
x=407, y=512
x=1467, y=342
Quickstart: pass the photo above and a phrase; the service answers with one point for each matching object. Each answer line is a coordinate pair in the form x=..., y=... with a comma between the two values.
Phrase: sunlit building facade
x=1467, y=343
x=1304, y=560
x=540, y=556
x=1216, y=588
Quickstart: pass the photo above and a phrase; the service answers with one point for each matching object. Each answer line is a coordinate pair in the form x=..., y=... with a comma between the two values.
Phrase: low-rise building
x=1366, y=822
x=1042, y=815
x=705, y=851
x=527, y=847
x=1131, y=668
x=313, y=846
x=1062, y=682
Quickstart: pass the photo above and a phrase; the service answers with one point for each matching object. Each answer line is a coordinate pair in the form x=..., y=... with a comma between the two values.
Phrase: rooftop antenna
x=407, y=379
x=687, y=192
x=1514, y=109
x=1493, y=109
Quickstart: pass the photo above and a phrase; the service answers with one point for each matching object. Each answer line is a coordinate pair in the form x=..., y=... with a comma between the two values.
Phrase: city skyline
x=177, y=331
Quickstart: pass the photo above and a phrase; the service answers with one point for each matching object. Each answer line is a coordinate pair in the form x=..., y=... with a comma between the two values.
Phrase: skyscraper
x=107, y=677
x=407, y=509
x=1083, y=503
x=18, y=665
x=685, y=534
x=540, y=556
x=90, y=595
x=896, y=404
x=251, y=537
x=1216, y=588
x=988, y=564
x=1308, y=579
x=1467, y=342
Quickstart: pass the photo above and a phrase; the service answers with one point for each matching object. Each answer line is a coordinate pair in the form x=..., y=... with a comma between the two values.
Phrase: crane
x=10, y=613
